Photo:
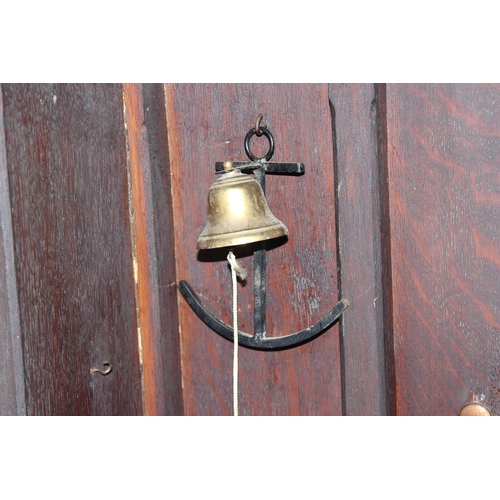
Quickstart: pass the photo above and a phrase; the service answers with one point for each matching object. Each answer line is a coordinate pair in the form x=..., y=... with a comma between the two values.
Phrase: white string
x=240, y=272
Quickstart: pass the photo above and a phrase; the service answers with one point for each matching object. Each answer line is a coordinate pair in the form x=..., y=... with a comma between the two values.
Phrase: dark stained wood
x=444, y=186
x=354, y=109
x=385, y=247
x=208, y=123
x=398, y=212
x=168, y=344
x=154, y=250
x=66, y=158
x=12, y=400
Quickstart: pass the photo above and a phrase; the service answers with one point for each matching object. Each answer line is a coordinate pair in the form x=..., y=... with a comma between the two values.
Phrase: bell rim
x=241, y=237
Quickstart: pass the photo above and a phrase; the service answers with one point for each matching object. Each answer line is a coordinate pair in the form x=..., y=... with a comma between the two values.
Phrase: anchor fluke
x=261, y=343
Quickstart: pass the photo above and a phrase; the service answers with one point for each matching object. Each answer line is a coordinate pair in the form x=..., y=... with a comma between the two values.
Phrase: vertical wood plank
x=168, y=344
x=360, y=256
x=443, y=150
x=12, y=398
x=154, y=251
x=386, y=248
x=208, y=123
x=66, y=155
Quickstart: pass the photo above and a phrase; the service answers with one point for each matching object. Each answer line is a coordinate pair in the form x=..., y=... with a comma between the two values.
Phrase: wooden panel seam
x=354, y=124
x=163, y=261
x=386, y=255
x=154, y=257
x=174, y=147
x=147, y=320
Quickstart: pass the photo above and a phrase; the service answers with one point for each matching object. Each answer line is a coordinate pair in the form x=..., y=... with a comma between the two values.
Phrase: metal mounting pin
x=257, y=128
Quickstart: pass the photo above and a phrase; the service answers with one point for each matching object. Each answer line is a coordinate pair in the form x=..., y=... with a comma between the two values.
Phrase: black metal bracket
x=259, y=341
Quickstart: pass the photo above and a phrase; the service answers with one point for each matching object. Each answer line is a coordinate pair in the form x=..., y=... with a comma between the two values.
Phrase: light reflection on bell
x=238, y=213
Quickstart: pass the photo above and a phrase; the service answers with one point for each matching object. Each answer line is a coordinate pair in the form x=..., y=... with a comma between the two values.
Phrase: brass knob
x=474, y=410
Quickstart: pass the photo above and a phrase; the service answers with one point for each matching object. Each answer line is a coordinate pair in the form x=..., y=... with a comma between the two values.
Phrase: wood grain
x=154, y=250
x=386, y=248
x=407, y=173
x=12, y=398
x=66, y=158
x=208, y=123
x=443, y=150
x=354, y=107
x=143, y=242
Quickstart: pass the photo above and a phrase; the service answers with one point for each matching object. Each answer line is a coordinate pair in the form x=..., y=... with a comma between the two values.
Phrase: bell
x=238, y=213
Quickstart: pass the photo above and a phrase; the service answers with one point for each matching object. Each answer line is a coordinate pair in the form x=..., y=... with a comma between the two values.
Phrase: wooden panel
x=169, y=343
x=355, y=108
x=66, y=156
x=12, y=401
x=208, y=123
x=443, y=150
x=154, y=249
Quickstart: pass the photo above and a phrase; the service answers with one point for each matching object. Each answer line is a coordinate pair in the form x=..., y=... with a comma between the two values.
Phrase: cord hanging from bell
x=237, y=271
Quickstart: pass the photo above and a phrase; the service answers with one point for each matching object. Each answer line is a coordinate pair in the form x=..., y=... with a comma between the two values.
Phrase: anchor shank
x=259, y=276
x=259, y=291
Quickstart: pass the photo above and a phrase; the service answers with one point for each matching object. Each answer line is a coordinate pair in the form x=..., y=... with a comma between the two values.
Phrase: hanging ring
x=270, y=138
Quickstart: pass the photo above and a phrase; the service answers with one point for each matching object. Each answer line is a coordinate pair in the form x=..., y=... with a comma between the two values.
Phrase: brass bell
x=238, y=213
